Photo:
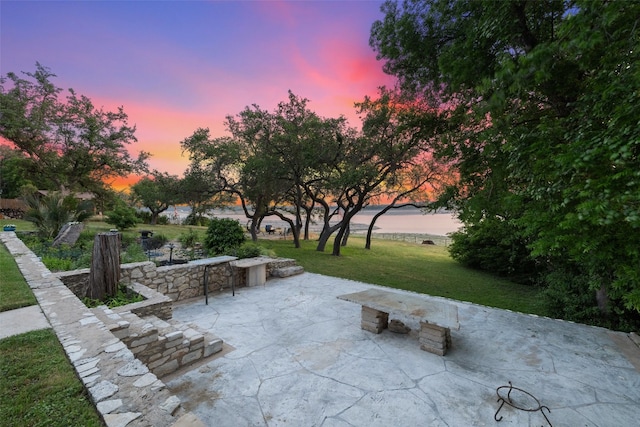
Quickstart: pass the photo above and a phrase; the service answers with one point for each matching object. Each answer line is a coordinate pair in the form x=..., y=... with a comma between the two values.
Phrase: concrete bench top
x=441, y=313
x=251, y=262
x=213, y=261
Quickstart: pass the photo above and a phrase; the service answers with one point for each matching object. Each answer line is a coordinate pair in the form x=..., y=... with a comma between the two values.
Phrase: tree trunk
x=104, y=275
x=347, y=233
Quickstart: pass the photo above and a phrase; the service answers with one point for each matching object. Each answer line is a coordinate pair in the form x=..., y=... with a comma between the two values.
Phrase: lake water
x=404, y=220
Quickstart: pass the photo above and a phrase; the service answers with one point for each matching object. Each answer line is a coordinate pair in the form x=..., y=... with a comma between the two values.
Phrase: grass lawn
x=14, y=291
x=421, y=268
x=38, y=386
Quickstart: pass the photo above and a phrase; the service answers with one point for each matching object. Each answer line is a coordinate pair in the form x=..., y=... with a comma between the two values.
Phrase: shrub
x=155, y=242
x=189, y=239
x=223, y=235
x=49, y=213
x=133, y=253
x=144, y=217
x=122, y=216
x=570, y=296
x=54, y=263
x=495, y=246
x=247, y=250
x=192, y=219
x=123, y=296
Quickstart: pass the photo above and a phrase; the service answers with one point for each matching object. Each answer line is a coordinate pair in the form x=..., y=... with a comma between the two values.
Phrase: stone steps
x=163, y=345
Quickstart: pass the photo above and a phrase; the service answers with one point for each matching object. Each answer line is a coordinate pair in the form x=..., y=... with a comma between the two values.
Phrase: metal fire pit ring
x=533, y=407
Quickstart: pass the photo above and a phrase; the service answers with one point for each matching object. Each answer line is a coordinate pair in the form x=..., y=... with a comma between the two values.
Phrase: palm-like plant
x=50, y=212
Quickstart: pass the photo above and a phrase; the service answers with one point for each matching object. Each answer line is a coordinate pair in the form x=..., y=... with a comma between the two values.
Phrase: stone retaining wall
x=178, y=282
x=164, y=346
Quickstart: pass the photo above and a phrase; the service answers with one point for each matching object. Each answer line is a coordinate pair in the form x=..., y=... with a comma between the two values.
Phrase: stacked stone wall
x=179, y=281
x=163, y=346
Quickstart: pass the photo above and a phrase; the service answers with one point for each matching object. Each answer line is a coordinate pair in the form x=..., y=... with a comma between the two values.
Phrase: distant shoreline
x=409, y=221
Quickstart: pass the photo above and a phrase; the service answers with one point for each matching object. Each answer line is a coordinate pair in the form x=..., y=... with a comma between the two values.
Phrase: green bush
x=144, y=217
x=248, y=250
x=123, y=296
x=49, y=213
x=192, y=219
x=133, y=253
x=189, y=239
x=223, y=235
x=54, y=263
x=570, y=296
x=495, y=246
x=122, y=217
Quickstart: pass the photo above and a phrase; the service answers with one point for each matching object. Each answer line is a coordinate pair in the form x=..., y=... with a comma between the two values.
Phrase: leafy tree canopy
x=543, y=128
x=69, y=143
x=156, y=192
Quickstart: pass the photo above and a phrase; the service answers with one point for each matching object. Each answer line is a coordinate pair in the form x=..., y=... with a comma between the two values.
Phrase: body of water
x=404, y=220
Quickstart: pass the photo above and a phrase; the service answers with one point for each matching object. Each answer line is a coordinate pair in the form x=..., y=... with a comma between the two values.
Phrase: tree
x=156, y=192
x=70, y=144
x=266, y=160
x=397, y=133
x=13, y=172
x=202, y=192
x=542, y=130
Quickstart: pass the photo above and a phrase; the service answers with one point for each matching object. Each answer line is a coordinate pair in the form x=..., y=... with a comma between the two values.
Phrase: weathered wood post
x=104, y=275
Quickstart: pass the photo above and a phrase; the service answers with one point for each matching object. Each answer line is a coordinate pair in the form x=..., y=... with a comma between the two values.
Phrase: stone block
x=197, y=345
x=174, y=336
x=371, y=315
x=171, y=405
x=287, y=271
x=157, y=363
x=376, y=328
x=426, y=326
x=435, y=344
x=212, y=347
x=191, y=357
x=192, y=335
x=439, y=352
x=167, y=368
x=144, y=340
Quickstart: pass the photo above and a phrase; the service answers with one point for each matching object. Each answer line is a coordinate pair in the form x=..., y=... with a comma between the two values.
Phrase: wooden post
x=104, y=275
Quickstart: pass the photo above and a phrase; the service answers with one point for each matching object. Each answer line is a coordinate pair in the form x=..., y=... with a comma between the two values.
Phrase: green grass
x=421, y=268
x=38, y=386
x=14, y=291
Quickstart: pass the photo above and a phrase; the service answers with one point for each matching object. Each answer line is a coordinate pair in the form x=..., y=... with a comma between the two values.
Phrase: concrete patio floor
x=296, y=356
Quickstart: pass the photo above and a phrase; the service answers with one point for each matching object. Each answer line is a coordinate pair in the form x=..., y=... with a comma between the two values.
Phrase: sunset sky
x=178, y=65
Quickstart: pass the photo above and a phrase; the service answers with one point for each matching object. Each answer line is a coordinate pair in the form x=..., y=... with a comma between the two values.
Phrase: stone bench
x=256, y=269
x=436, y=318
